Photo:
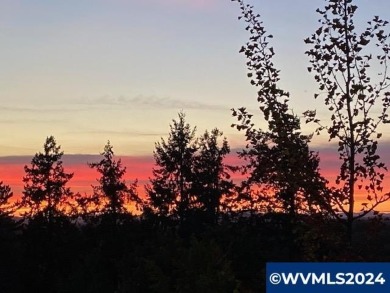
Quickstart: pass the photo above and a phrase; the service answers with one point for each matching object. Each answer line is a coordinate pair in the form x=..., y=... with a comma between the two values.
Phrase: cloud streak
x=151, y=102
x=123, y=133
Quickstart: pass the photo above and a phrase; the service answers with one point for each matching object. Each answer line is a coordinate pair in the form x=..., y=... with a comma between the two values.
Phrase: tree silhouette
x=112, y=193
x=212, y=175
x=45, y=194
x=6, y=207
x=282, y=172
x=45, y=204
x=170, y=189
x=341, y=58
x=9, y=249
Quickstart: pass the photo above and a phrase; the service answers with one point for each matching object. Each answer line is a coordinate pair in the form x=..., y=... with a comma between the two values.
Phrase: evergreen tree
x=113, y=194
x=46, y=203
x=8, y=225
x=10, y=253
x=45, y=194
x=212, y=181
x=170, y=189
x=6, y=207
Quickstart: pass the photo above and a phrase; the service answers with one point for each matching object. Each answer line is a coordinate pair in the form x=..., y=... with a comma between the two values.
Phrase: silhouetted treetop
x=113, y=194
x=342, y=60
x=6, y=207
x=213, y=183
x=282, y=172
x=170, y=188
x=45, y=192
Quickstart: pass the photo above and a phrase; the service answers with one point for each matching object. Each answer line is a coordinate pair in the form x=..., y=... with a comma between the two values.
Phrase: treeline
x=196, y=230
x=190, y=179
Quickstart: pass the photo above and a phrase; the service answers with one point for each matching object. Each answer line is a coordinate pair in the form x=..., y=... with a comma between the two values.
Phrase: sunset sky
x=88, y=71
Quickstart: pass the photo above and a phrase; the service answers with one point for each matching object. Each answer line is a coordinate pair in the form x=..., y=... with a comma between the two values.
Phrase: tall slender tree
x=282, y=172
x=170, y=189
x=7, y=211
x=358, y=99
x=9, y=240
x=46, y=195
x=113, y=194
x=212, y=176
x=6, y=207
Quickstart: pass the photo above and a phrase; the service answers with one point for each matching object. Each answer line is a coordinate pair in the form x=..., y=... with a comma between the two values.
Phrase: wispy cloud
x=15, y=160
x=152, y=102
x=125, y=133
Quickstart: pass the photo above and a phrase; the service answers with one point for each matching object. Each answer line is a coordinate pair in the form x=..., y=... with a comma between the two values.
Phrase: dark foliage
x=113, y=197
x=170, y=190
x=341, y=58
x=191, y=181
x=46, y=196
x=283, y=174
x=212, y=185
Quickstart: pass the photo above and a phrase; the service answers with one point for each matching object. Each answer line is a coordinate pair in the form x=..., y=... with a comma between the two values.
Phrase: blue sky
x=88, y=71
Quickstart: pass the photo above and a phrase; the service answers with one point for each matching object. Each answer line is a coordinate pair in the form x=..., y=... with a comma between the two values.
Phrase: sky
x=88, y=71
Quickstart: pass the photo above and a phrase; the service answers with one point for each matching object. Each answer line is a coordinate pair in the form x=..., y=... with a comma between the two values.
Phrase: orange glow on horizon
x=140, y=168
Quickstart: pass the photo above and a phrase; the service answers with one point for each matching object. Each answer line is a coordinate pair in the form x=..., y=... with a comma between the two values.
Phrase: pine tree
x=6, y=207
x=45, y=194
x=113, y=194
x=170, y=189
x=212, y=181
